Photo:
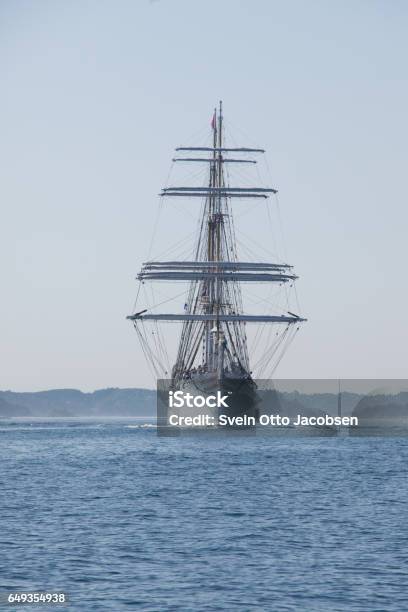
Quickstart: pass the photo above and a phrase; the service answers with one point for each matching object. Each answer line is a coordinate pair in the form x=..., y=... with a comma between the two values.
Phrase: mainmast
x=208, y=292
x=215, y=220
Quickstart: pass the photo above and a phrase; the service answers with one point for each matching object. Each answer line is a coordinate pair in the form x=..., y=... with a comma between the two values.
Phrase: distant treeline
x=71, y=402
x=142, y=402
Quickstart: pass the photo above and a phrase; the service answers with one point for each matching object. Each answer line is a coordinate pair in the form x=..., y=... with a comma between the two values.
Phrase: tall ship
x=213, y=349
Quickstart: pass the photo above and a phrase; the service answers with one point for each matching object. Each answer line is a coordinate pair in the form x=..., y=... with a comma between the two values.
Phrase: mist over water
x=120, y=519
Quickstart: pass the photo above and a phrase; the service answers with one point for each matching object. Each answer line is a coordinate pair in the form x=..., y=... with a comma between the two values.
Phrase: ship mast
x=215, y=221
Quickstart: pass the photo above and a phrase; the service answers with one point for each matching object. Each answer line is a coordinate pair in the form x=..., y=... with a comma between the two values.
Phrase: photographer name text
x=274, y=420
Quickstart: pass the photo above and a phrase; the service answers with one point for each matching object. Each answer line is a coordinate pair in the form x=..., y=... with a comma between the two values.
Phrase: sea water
x=120, y=519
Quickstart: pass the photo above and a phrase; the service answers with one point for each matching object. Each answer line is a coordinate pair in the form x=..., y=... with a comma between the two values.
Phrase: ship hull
x=241, y=399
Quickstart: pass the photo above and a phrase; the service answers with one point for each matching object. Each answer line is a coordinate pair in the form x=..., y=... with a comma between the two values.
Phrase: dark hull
x=242, y=398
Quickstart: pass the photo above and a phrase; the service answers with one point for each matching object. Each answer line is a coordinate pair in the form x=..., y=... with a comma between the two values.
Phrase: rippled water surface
x=121, y=519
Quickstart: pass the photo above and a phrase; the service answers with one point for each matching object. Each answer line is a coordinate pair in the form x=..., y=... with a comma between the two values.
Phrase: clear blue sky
x=95, y=95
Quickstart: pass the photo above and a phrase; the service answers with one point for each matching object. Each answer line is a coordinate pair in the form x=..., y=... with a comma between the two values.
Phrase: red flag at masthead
x=214, y=120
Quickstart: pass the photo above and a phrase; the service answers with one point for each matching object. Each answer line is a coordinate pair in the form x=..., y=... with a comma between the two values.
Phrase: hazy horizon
x=97, y=95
